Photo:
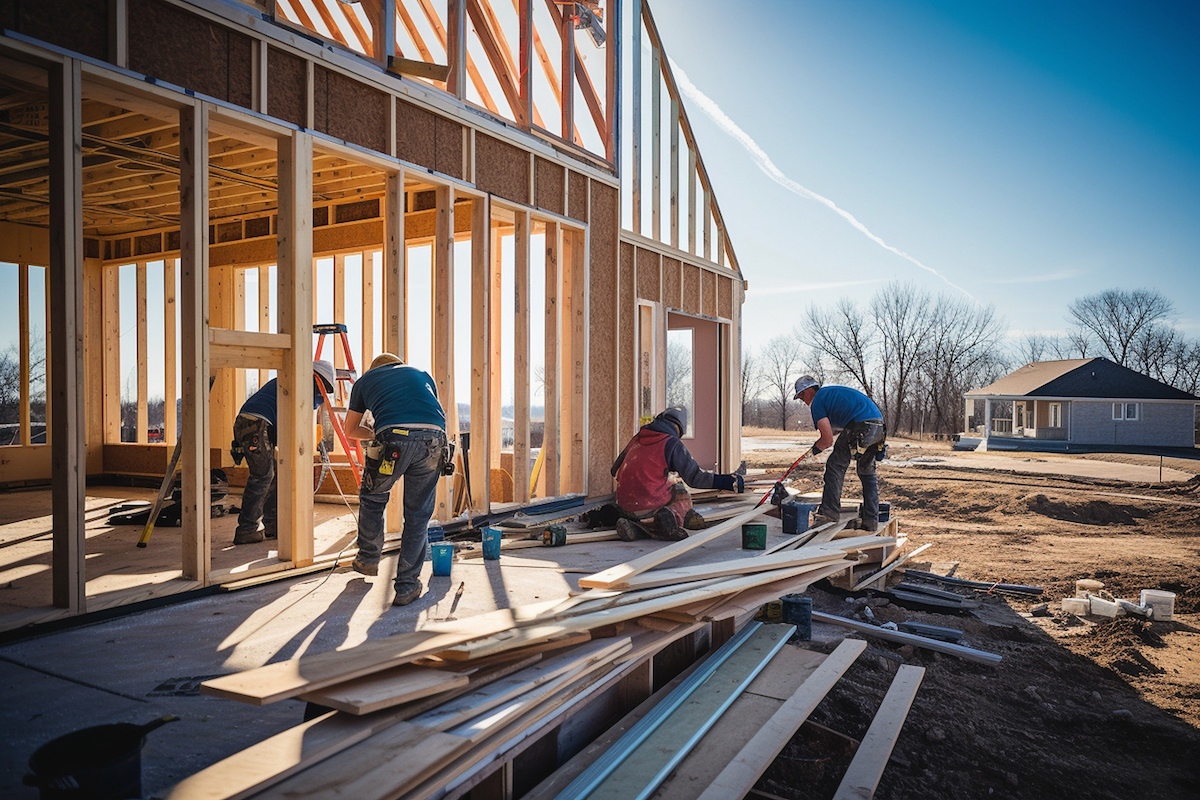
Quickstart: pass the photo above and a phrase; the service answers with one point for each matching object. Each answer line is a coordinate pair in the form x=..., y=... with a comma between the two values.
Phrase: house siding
x=1158, y=424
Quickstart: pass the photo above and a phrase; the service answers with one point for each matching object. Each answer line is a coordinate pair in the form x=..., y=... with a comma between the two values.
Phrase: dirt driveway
x=1080, y=707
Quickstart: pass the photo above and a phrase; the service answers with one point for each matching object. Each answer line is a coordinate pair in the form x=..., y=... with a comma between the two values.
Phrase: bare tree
x=903, y=320
x=679, y=374
x=963, y=345
x=779, y=360
x=751, y=380
x=1117, y=317
x=843, y=336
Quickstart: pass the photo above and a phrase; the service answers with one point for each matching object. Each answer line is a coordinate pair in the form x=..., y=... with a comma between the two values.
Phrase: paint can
x=797, y=610
x=885, y=512
x=443, y=558
x=491, y=543
x=770, y=612
x=754, y=536
x=795, y=517
x=554, y=536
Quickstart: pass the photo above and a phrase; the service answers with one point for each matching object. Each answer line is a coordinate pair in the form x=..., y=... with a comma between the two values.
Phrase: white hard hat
x=324, y=371
x=805, y=382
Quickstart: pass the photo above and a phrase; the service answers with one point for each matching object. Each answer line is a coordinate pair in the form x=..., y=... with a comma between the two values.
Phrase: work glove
x=816, y=450
x=729, y=483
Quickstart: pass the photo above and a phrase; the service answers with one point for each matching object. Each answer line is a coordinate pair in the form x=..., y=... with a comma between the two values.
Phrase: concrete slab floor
x=140, y=667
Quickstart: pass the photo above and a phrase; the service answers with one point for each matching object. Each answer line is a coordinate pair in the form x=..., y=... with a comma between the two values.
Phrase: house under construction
x=506, y=193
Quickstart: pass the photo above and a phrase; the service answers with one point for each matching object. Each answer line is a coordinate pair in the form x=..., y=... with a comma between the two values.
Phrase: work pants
x=257, y=441
x=860, y=442
x=418, y=458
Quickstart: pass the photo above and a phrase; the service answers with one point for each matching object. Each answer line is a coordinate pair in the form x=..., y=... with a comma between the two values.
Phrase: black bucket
x=100, y=763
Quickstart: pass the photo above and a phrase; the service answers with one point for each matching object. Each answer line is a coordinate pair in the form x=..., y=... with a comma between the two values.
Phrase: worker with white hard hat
x=861, y=436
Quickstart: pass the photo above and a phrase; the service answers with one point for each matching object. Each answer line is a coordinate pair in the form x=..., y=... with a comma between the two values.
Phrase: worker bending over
x=862, y=435
x=651, y=501
x=409, y=439
x=254, y=440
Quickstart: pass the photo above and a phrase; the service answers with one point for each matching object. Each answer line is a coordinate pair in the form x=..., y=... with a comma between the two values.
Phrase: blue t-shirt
x=842, y=405
x=262, y=403
x=397, y=395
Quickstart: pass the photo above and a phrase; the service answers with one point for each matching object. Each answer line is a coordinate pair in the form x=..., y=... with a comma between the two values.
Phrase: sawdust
x=1079, y=707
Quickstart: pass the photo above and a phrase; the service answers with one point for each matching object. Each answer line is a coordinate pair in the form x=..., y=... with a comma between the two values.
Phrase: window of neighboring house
x=1056, y=415
x=1131, y=411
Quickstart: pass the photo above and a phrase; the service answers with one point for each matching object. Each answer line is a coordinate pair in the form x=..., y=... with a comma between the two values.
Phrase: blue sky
x=1022, y=153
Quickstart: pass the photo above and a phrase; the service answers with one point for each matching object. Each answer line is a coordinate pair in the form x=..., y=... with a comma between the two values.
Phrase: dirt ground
x=1080, y=707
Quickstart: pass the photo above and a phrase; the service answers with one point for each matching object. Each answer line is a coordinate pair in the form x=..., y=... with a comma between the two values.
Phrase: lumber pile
x=419, y=712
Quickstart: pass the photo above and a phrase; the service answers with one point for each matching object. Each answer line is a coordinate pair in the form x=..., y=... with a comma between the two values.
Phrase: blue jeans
x=870, y=437
x=258, y=499
x=416, y=455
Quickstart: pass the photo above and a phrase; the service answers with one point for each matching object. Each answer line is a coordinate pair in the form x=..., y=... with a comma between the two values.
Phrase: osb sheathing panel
x=350, y=110
x=548, y=182
x=502, y=169
x=175, y=46
x=262, y=251
x=577, y=192
x=648, y=283
x=671, y=288
x=602, y=419
x=691, y=290
x=626, y=421
x=415, y=132
x=448, y=147
x=708, y=293
x=725, y=297
x=77, y=25
x=286, y=90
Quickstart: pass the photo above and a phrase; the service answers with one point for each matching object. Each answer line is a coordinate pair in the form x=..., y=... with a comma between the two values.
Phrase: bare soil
x=1080, y=707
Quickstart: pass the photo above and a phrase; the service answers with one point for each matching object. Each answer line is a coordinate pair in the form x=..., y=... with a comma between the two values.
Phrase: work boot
x=860, y=524
x=363, y=568
x=693, y=521
x=406, y=595
x=248, y=537
x=666, y=526
x=630, y=531
x=271, y=533
x=820, y=519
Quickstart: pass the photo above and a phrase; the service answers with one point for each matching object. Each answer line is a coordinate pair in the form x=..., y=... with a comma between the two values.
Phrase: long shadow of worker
x=329, y=630
x=405, y=619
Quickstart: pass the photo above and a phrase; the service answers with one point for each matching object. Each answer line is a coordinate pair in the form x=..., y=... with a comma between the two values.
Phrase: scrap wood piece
x=285, y=679
x=968, y=653
x=345, y=776
x=796, y=540
x=386, y=689
x=741, y=566
x=901, y=543
x=621, y=572
x=744, y=769
x=879, y=573
x=866, y=768
x=747, y=603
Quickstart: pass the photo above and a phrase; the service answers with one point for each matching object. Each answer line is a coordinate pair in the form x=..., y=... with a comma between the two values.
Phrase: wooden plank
x=655, y=140
x=443, y=331
x=622, y=572
x=64, y=317
x=264, y=311
x=521, y=357
x=111, y=358
x=635, y=144
x=295, y=430
x=879, y=573
x=386, y=689
x=23, y=355
x=550, y=363
x=740, y=566
x=496, y=318
x=482, y=368
x=193, y=255
x=575, y=364
x=674, y=173
x=394, y=321
x=899, y=637
x=691, y=210
x=744, y=769
x=866, y=768
x=170, y=363
x=143, y=354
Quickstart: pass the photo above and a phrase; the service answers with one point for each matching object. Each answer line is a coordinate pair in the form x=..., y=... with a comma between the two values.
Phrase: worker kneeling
x=651, y=501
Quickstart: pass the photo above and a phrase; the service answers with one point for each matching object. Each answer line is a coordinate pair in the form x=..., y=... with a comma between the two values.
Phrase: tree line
x=916, y=354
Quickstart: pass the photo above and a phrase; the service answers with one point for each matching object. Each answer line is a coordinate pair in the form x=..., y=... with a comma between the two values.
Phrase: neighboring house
x=1057, y=405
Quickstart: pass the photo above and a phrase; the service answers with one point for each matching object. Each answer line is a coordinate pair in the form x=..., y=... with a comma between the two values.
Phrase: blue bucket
x=797, y=610
x=491, y=543
x=885, y=511
x=443, y=558
x=795, y=516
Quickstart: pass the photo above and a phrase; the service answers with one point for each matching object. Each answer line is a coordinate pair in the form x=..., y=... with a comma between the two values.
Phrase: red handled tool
x=779, y=483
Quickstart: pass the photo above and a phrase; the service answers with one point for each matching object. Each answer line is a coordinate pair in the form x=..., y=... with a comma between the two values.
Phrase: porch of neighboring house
x=1010, y=423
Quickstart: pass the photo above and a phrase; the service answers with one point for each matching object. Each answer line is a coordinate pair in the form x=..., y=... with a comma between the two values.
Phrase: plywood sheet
x=672, y=289
x=287, y=92
x=708, y=293
x=448, y=148
x=602, y=319
x=501, y=169
x=415, y=133
x=724, y=297
x=577, y=195
x=355, y=112
x=548, y=181
x=179, y=47
x=691, y=290
x=648, y=269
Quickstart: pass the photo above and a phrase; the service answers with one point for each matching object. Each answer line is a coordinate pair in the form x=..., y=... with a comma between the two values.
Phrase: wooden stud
x=871, y=757
x=443, y=330
x=496, y=356
x=395, y=276
x=64, y=294
x=170, y=364
x=566, y=31
x=707, y=224
x=655, y=142
x=112, y=354
x=264, y=312
x=496, y=58
x=93, y=350
x=193, y=257
x=550, y=365
x=118, y=33
x=294, y=431
x=239, y=324
x=481, y=351
x=310, y=83
x=612, y=85
x=674, y=156
x=691, y=211
x=23, y=391
x=366, y=349
x=456, y=48
x=258, y=76
x=339, y=305
x=635, y=143
x=143, y=353
x=521, y=357
x=525, y=70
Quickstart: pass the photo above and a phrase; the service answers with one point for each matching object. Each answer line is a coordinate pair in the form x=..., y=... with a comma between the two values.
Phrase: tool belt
x=865, y=434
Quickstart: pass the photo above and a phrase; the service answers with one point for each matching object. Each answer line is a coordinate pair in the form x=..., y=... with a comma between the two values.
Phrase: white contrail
x=810, y=287
x=709, y=107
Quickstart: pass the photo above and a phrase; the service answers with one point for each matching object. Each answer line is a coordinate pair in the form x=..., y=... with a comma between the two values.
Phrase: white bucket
x=1102, y=608
x=1161, y=603
x=1076, y=605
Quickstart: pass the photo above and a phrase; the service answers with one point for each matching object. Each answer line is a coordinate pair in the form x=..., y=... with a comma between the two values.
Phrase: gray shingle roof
x=1081, y=377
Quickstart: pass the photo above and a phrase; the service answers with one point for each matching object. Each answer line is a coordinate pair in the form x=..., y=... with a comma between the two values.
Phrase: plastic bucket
x=795, y=517
x=797, y=610
x=433, y=533
x=100, y=763
x=754, y=536
x=442, y=554
x=885, y=511
x=1162, y=604
x=491, y=543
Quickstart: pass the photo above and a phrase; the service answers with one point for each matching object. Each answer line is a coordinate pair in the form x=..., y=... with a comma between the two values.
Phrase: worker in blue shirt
x=861, y=436
x=254, y=440
x=408, y=438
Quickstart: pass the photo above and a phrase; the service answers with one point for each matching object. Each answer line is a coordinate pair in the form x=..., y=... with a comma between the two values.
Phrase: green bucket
x=754, y=536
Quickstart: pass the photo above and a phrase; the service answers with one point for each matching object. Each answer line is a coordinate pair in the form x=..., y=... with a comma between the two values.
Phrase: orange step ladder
x=336, y=406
